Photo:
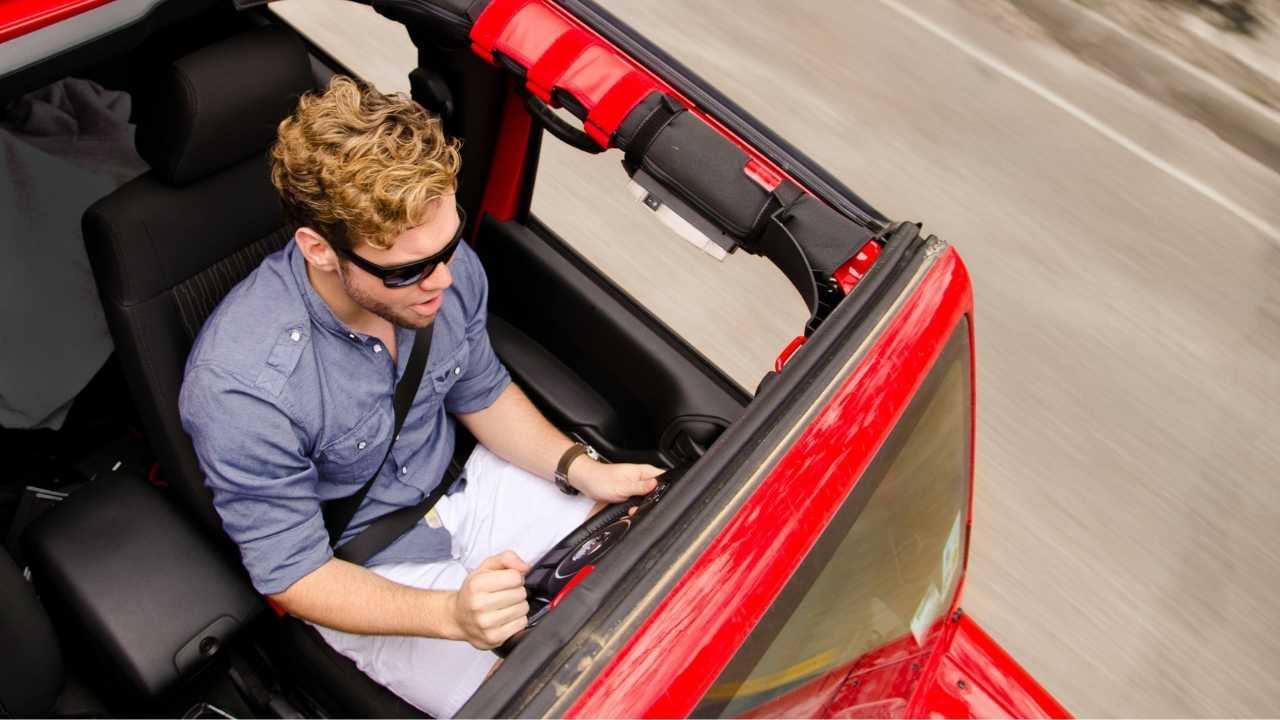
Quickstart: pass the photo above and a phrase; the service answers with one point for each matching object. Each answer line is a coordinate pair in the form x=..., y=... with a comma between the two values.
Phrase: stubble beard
x=405, y=318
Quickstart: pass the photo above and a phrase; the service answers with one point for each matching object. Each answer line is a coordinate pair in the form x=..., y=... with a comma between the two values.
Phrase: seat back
x=166, y=247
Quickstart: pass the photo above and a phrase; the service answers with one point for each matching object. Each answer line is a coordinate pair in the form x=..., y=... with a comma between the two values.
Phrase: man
x=288, y=400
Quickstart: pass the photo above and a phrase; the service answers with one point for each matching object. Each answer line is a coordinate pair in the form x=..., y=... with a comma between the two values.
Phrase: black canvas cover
x=704, y=172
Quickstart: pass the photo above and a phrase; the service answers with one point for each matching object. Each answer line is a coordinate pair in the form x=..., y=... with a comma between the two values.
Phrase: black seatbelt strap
x=338, y=513
x=384, y=531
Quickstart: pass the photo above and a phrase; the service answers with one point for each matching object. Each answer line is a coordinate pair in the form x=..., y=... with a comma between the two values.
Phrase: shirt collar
x=319, y=310
x=322, y=315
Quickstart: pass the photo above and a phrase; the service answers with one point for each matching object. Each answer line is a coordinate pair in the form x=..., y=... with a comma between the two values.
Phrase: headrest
x=222, y=103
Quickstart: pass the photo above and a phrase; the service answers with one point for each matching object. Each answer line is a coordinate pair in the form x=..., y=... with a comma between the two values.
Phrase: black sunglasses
x=401, y=276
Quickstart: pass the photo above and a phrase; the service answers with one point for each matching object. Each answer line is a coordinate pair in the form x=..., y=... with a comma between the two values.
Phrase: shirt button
x=360, y=445
x=351, y=335
x=377, y=348
x=457, y=371
x=295, y=336
x=404, y=470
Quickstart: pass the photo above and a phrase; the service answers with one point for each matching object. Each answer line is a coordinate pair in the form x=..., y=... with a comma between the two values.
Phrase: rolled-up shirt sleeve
x=264, y=484
x=485, y=377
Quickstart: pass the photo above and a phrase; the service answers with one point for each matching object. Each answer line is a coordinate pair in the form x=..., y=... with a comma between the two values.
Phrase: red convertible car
x=804, y=556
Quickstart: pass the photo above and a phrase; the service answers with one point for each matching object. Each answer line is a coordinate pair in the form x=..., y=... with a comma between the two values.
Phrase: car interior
x=118, y=590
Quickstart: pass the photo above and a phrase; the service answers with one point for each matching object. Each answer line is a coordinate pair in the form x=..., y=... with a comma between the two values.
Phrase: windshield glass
x=882, y=574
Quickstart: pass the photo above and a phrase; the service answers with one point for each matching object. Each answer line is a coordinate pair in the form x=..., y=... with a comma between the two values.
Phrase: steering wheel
x=574, y=557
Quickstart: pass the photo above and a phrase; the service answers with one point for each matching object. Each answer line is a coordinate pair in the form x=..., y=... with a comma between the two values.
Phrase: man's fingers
x=507, y=559
x=649, y=471
x=492, y=581
x=498, y=618
x=509, y=629
x=478, y=603
x=514, y=562
x=644, y=486
x=505, y=599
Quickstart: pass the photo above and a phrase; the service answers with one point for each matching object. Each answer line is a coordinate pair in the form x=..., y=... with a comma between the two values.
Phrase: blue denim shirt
x=287, y=408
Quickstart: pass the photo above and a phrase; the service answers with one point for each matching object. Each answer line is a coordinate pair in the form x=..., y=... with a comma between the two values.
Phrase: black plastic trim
x=532, y=157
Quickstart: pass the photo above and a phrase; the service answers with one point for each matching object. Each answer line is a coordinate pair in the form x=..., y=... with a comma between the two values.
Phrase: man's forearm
x=517, y=432
x=514, y=429
x=347, y=597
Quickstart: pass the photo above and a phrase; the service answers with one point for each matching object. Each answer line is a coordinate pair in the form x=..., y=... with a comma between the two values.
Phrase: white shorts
x=501, y=508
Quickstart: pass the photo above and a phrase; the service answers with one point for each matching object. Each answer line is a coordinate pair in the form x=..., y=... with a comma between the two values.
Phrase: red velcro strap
x=608, y=114
x=492, y=21
x=547, y=70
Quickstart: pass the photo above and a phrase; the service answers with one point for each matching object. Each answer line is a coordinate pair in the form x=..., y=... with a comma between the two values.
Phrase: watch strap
x=562, y=467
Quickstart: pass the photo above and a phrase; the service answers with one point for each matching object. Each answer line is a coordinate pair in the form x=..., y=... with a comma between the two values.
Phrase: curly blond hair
x=356, y=165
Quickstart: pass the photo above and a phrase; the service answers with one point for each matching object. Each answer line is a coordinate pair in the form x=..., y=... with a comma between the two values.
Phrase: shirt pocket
x=354, y=456
x=445, y=374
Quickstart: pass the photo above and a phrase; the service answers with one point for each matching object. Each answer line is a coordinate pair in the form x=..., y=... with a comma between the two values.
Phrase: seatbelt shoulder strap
x=338, y=513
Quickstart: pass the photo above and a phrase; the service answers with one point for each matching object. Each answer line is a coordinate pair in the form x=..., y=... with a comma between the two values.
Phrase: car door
x=831, y=551
x=812, y=563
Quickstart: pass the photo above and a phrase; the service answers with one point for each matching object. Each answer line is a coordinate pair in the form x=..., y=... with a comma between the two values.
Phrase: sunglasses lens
x=408, y=276
x=416, y=273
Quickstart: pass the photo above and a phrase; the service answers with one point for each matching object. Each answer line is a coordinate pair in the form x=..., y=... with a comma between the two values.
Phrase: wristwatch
x=562, y=467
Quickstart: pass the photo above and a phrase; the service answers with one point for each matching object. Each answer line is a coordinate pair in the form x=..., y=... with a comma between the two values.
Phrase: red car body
x=666, y=653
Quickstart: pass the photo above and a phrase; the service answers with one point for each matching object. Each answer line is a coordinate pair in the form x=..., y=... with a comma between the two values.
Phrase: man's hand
x=608, y=483
x=491, y=605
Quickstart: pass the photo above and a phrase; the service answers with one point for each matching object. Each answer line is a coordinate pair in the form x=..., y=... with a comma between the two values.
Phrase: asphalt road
x=1127, y=273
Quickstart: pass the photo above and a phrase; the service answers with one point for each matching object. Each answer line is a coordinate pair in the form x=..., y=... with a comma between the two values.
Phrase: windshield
x=882, y=574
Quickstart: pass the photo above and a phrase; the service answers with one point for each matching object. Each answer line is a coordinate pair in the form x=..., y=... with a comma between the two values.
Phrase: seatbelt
x=338, y=513
x=384, y=531
x=381, y=532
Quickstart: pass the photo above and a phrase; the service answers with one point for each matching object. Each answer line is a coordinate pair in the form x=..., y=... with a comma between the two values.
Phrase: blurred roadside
x=1214, y=61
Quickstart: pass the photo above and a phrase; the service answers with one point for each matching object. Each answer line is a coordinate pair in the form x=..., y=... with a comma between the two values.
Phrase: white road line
x=1085, y=117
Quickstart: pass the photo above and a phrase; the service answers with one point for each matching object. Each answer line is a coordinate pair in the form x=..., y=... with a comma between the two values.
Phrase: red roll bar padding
x=492, y=21
x=557, y=55
x=547, y=69
x=503, y=189
x=617, y=102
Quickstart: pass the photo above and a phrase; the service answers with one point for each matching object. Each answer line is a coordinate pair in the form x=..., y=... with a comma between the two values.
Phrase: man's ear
x=317, y=251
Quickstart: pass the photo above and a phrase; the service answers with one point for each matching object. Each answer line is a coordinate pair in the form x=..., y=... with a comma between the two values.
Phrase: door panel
x=669, y=398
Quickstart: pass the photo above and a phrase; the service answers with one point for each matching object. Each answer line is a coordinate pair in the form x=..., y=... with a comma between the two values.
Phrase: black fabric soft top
x=702, y=170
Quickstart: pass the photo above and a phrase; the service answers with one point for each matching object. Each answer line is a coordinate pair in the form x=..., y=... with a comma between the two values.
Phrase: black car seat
x=31, y=668
x=166, y=247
